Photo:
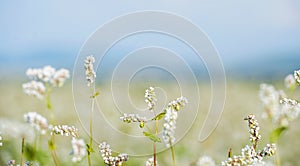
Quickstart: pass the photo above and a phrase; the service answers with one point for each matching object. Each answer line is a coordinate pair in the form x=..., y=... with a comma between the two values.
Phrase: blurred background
x=258, y=41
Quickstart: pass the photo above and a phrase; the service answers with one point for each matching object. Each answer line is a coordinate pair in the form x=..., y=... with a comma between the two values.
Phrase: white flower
x=178, y=103
x=34, y=74
x=78, y=149
x=132, y=118
x=34, y=88
x=60, y=77
x=37, y=121
x=150, y=162
x=89, y=69
x=108, y=159
x=48, y=73
x=16, y=130
x=150, y=98
x=65, y=130
x=205, y=161
x=289, y=81
x=169, y=127
x=297, y=76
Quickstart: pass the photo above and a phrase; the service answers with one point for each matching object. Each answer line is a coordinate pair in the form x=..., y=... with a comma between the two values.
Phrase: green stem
x=173, y=154
x=91, y=126
x=154, y=146
x=22, y=152
x=52, y=149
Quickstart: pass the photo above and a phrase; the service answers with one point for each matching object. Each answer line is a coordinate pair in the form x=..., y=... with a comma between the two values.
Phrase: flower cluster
x=297, y=76
x=290, y=81
x=253, y=129
x=78, y=149
x=275, y=105
x=150, y=98
x=27, y=163
x=129, y=118
x=65, y=130
x=170, y=120
x=150, y=162
x=89, y=69
x=205, y=161
x=41, y=76
x=36, y=120
x=249, y=155
x=178, y=103
x=109, y=160
x=34, y=88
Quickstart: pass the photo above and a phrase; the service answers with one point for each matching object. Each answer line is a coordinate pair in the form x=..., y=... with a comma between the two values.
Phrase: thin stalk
x=173, y=154
x=91, y=126
x=22, y=152
x=154, y=144
x=52, y=149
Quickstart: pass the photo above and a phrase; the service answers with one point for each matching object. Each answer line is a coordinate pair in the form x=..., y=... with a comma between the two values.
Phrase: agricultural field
x=242, y=99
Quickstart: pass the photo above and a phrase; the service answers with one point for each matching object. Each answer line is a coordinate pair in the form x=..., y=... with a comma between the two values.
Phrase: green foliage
x=159, y=116
x=152, y=137
x=33, y=154
x=276, y=133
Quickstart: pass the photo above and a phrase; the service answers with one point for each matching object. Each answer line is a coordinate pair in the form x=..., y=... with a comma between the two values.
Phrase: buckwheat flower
x=60, y=77
x=1, y=144
x=78, y=149
x=48, y=73
x=205, y=161
x=34, y=74
x=89, y=69
x=150, y=98
x=297, y=76
x=253, y=129
x=270, y=98
x=290, y=81
x=16, y=130
x=65, y=130
x=269, y=150
x=150, y=162
x=169, y=127
x=129, y=118
x=34, y=88
x=178, y=103
x=37, y=121
x=108, y=159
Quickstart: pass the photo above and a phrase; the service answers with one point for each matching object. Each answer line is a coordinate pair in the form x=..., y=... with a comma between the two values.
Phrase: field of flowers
x=39, y=124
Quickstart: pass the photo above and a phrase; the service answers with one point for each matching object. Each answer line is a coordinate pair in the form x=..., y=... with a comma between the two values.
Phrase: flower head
x=106, y=153
x=60, y=77
x=297, y=76
x=89, y=69
x=150, y=98
x=290, y=81
x=178, y=103
x=169, y=127
x=65, y=130
x=78, y=149
x=129, y=118
x=37, y=121
x=34, y=88
x=253, y=129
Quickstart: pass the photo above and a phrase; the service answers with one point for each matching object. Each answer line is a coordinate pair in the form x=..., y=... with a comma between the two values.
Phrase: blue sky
x=38, y=32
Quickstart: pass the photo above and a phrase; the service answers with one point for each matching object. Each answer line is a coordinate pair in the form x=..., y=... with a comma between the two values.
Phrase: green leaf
x=96, y=94
x=152, y=137
x=89, y=149
x=159, y=116
x=275, y=134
